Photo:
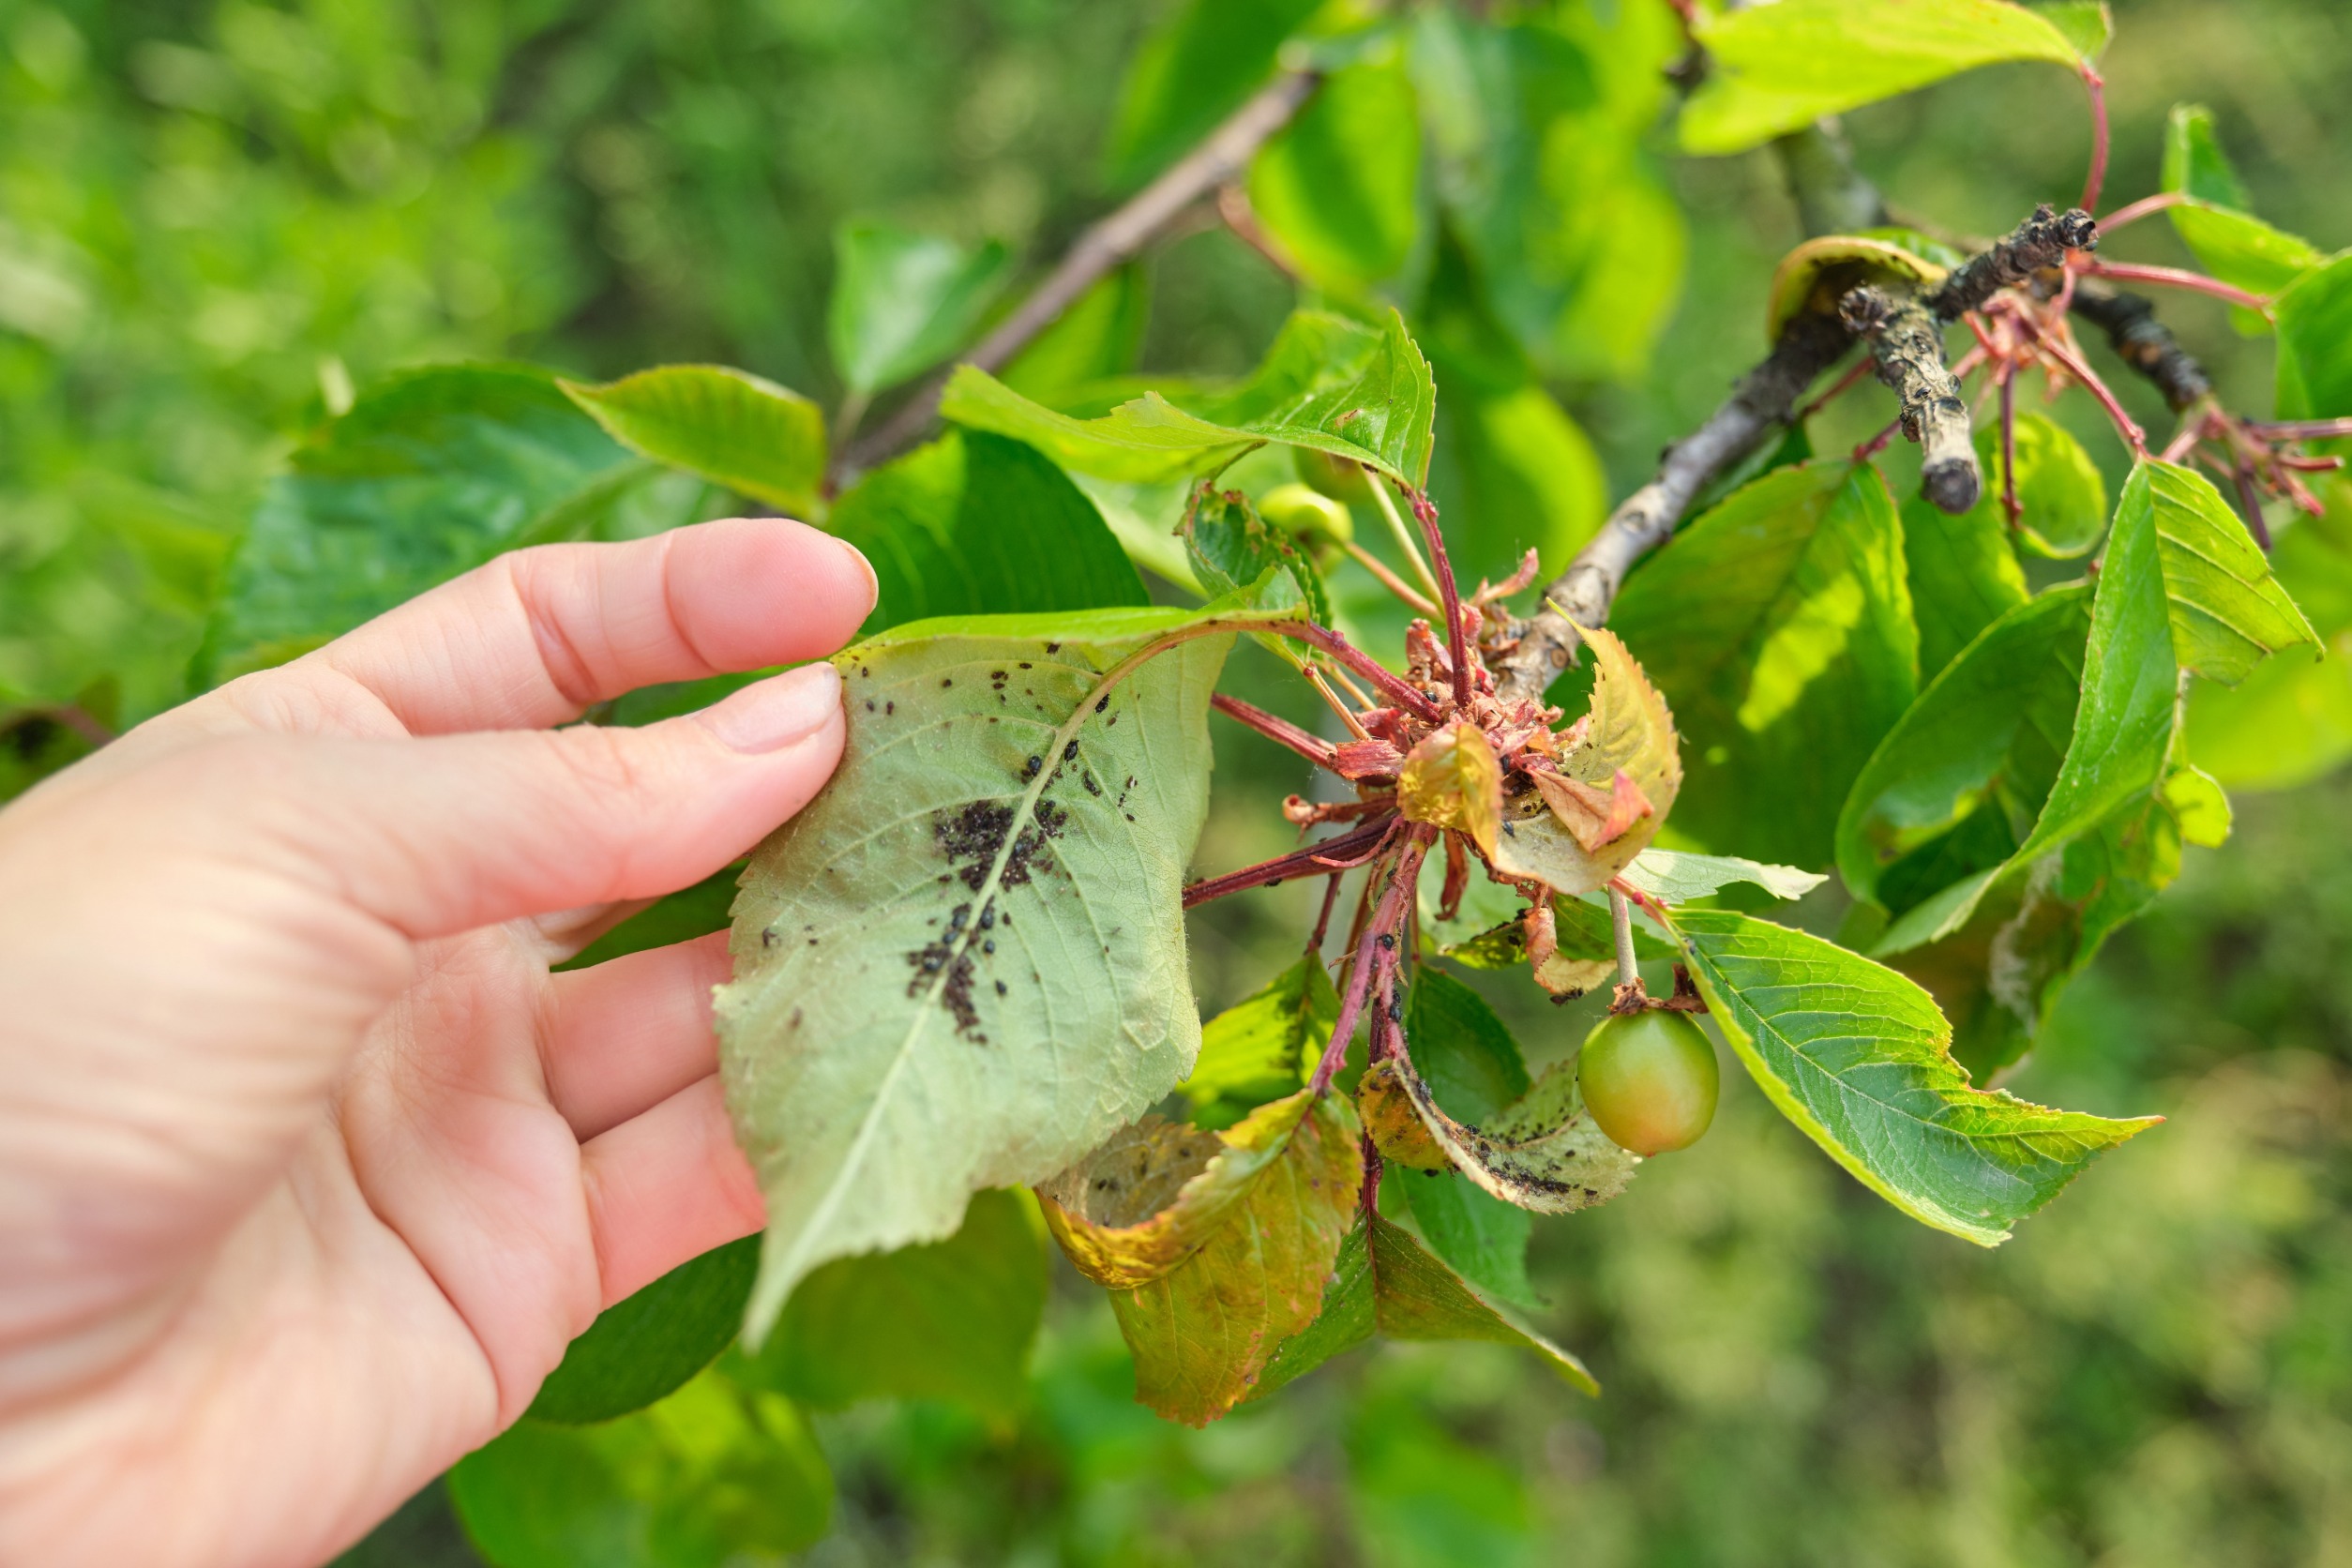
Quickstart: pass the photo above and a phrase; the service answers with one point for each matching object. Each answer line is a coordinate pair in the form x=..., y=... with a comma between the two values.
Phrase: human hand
x=309, y=1168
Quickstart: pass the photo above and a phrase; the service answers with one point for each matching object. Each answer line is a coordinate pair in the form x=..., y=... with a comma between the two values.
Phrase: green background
x=214, y=215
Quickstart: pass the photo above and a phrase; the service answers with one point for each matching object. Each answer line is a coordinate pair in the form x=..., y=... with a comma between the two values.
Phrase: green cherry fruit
x=1649, y=1079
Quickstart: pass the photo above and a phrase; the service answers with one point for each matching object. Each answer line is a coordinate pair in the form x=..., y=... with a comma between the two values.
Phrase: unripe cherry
x=1649, y=1079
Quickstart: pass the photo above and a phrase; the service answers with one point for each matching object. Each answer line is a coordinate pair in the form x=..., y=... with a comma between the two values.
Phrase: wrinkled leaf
x=1452, y=779
x=1779, y=626
x=1859, y=1058
x=640, y=1349
x=1775, y=68
x=1230, y=548
x=1541, y=1154
x=904, y=301
x=975, y=524
x=963, y=965
x=950, y=1319
x=730, y=427
x=1235, y=1262
x=1631, y=733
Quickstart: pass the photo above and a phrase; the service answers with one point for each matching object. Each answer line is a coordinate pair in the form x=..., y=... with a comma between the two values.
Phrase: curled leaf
x=1593, y=816
x=1627, y=748
x=1236, y=1262
x=1541, y=1154
x=1395, y=1125
x=1452, y=780
x=1147, y=1199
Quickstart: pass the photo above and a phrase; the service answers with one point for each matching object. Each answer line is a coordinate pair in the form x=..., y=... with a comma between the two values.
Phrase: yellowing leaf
x=1395, y=1127
x=1630, y=736
x=1452, y=780
x=1254, y=1231
x=1541, y=1154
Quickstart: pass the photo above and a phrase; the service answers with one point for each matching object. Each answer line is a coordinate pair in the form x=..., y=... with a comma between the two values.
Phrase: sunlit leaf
x=1774, y=69
x=975, y=524
x=1859, y=1058
x=963, y=965
x=730, y=427
x=1196, y=66
x=1672, y=877
x=2218, y=224
x=2315, y=321
x=1779, y=626
x=1338, y=190
x=904, y=301
x=2062, y=500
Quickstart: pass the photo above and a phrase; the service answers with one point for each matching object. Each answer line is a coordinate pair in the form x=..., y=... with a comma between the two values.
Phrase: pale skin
x=309, y=1168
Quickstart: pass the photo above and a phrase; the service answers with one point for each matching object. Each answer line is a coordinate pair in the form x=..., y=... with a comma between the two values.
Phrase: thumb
x=445, y=834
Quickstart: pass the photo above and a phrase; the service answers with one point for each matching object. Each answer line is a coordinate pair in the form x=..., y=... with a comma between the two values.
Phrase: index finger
x=534, y=638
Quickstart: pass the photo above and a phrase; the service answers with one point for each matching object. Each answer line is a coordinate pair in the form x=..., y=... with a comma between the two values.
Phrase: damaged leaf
x=1630, y=735
x=962, y=965
x=1451, y=779
x=1215, y=1252
x=1541, y=1154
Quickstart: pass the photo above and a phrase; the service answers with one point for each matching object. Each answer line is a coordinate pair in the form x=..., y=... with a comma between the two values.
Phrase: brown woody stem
x=1908, y=350
x=1112, y=243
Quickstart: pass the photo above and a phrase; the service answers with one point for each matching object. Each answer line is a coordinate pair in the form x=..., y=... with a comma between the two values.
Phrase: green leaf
x=1326, y=384
x=1513, y=473
x=1096, y=338
x=904, y=301
x=1263, y=1046
x=2062, y=501
x=1338, y=190
x=1217, y=1245
x=1473, y=1066
x=1775, y=68
x=962, y=965
x=1675, y=878
x=1574, y=249
x=2087, y=24
x=1231, y=549
x=1385, y=1280
x=431, y=473
x=1964, y=577
x=2183, y=587
x=1779, y=627
x=975, y=524
x=1858, y=1057
x=950, y=1319
x=1956, y=785
x=2315, y=322
x=713, y=1472
x=1195, y=68
x=730, y=427
x=638, y=1349
x=2291, y=721
x=2217, y=225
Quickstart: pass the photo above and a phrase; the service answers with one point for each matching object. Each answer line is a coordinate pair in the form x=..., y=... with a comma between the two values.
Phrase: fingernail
x=777, y=711
x=873, y=583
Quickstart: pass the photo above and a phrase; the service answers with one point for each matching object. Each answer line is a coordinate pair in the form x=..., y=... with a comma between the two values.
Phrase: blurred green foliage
x=217, y=219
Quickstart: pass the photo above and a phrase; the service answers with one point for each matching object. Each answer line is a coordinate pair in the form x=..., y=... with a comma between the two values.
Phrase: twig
x=1384, y=922
x=2145, y=343
x=1909, y=351
x=1105, y=245
x=1581, y=594
x=2041, y=241
x=1326, y=857
x=1280, y=731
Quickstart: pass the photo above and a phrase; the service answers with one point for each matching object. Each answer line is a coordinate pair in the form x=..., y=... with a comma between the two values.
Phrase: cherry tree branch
x=1906, y=343
x=1102, y=246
